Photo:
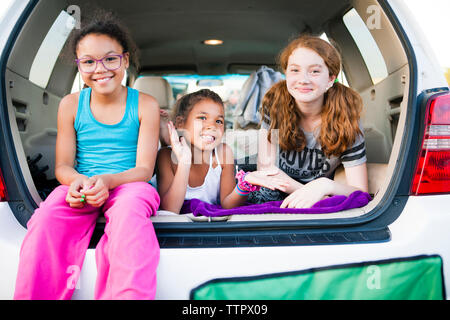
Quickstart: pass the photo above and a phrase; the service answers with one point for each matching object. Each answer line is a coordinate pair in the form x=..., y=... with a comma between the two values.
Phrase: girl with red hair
x=316, y=120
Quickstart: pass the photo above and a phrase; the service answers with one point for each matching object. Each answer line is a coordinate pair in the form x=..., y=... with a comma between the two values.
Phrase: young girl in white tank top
x=186, y=170
x=209, y=191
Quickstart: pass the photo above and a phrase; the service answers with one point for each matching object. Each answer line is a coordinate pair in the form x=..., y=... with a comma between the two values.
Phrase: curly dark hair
x=106, y=23
x=185, y=104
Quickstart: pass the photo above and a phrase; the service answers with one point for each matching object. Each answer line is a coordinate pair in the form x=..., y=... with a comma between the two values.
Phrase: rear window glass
x=228, y=87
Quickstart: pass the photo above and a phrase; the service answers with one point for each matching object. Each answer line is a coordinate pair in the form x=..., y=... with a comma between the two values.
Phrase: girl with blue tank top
x=105, y=153
x=198, y=165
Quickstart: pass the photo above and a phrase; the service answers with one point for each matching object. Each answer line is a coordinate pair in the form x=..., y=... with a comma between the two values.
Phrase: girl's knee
x=55, y=199
x=56, y=210
x=138, y=190
x=57, y=196
x=137, y=194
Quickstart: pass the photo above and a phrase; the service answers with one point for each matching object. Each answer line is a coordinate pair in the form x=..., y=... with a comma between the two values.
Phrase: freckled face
x=97, y=46
x=307, y=76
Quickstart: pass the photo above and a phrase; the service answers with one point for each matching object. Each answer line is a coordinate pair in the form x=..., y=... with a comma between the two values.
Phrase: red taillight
x=432, y=173
x=3, y=194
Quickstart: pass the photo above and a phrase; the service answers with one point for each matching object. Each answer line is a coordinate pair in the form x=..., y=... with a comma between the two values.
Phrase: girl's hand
x=267, y=179
x=292, y=185
x=179, y=146
x=74, y=196
x=96, y=190
x=308, y=195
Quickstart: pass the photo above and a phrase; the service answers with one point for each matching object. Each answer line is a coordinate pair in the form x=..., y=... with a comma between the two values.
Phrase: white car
x=395, y=247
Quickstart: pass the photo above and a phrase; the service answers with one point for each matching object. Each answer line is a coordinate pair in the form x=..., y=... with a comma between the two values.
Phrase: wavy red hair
x=340, y=113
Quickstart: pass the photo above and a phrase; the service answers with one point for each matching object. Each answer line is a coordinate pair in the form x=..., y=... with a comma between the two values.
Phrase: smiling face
x=204, y=126
x=97, y=46
x=307, y=76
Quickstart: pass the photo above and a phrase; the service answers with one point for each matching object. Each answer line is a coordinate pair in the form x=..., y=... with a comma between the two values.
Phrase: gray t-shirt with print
x=311, y=163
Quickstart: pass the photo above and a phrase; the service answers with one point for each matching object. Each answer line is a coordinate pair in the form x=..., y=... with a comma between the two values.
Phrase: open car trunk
x=169, y=35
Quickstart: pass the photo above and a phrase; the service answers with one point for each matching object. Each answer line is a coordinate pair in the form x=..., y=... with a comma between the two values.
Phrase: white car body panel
x=422, y=228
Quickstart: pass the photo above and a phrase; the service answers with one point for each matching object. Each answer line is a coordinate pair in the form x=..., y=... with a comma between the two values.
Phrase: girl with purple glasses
x=105, y=154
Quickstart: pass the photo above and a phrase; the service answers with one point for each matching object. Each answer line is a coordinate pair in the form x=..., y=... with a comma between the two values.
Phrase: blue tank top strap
x=133, y=104
x=83, y=100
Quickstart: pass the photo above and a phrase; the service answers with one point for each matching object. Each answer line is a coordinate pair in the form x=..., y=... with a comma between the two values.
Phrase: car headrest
x=157, y=87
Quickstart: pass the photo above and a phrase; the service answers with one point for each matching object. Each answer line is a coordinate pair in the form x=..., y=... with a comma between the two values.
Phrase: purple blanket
x=332, y=204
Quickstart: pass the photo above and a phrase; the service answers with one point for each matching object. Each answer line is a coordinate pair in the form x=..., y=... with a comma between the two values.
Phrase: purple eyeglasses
x=110, y=62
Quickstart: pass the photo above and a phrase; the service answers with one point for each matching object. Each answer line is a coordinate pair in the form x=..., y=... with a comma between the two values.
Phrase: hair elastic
x=244, y=186
x=241, y=192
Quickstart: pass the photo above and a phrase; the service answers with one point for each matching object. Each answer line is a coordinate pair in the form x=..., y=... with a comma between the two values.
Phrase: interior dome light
x=213, y=42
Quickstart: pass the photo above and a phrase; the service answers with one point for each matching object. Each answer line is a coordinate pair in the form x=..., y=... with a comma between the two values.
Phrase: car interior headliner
x=169, y=33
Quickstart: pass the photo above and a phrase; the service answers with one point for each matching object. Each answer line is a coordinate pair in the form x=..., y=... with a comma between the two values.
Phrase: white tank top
x=209, y=191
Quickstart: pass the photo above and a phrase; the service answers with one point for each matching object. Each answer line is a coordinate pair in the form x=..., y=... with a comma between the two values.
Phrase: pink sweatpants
x=58, y=236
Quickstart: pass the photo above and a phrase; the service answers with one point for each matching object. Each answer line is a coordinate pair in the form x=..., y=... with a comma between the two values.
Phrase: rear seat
x=376, y=173
x=157, y=87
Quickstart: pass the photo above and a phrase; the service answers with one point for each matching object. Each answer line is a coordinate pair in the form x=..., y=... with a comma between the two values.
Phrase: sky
x=431, y=15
